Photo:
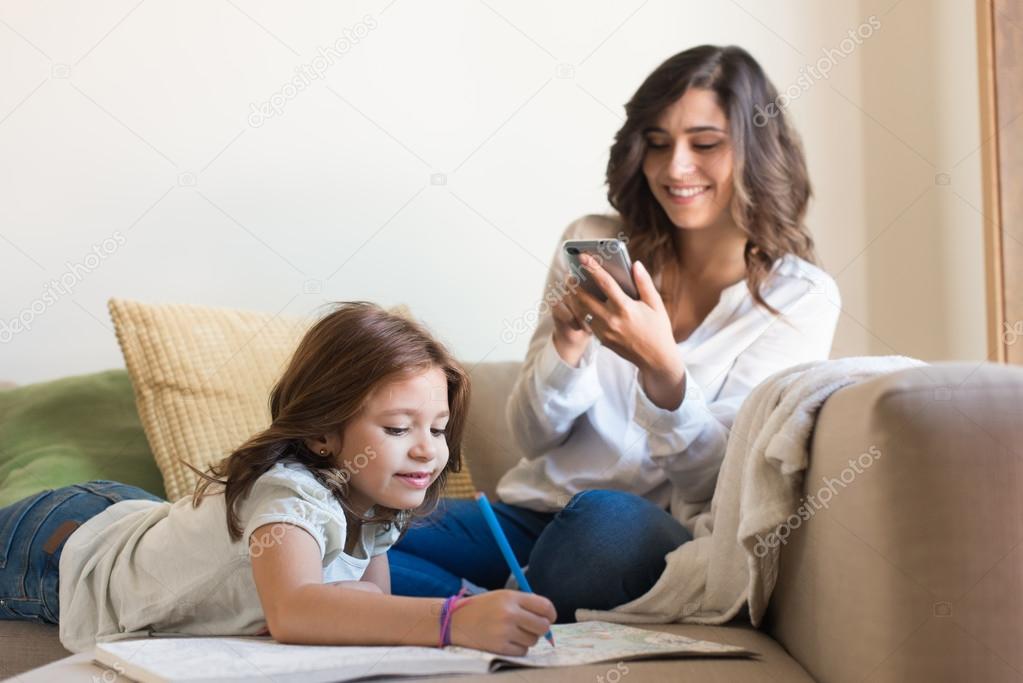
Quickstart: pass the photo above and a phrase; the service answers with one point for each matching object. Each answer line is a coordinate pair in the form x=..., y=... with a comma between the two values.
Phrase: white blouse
x=593, y=427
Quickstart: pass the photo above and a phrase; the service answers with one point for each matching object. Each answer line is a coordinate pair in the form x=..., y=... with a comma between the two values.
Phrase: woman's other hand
x=571, y=336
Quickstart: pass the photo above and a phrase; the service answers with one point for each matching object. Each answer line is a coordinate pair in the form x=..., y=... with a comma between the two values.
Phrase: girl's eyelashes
x=402, y=431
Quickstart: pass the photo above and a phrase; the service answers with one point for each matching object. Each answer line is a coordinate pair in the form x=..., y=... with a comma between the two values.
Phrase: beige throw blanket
x=727, y=564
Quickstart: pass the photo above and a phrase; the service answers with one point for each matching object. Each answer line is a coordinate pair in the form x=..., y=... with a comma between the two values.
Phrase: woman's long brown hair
x=771, y=184
x=336, y=366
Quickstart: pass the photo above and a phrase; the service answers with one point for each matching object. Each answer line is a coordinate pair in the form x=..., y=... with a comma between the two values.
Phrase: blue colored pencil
x=509, y=556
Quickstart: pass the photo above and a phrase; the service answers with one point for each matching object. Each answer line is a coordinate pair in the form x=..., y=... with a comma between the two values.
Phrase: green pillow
x=73, y=430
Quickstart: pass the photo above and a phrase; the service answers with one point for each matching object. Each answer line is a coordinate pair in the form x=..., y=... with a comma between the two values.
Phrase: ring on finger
x=587, y=319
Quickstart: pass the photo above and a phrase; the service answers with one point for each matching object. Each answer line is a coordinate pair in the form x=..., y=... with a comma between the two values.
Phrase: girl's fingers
x=537, y=604
x=524, y=638
x=531, y=623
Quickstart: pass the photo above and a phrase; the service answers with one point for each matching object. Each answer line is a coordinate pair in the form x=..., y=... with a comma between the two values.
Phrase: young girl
x=289, y=534
x=623, y=408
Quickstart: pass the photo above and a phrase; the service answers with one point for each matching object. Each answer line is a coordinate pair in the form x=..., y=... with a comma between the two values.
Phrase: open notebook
x=160, y=660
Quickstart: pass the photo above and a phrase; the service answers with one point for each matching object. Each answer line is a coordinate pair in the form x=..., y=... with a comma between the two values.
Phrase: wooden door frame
x=1003, y=259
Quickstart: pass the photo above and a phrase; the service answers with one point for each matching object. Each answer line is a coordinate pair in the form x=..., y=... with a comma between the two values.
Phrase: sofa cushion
x=72, y=430
x=202, y=378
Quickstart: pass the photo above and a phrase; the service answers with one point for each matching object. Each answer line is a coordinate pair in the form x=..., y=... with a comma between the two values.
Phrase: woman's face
x=688, y=162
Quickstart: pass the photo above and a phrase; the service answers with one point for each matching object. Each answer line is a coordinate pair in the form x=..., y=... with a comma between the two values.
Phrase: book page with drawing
x=194, y=660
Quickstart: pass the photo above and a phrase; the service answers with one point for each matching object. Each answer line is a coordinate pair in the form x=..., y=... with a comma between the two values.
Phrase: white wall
x=923, y=187
x=133, y=123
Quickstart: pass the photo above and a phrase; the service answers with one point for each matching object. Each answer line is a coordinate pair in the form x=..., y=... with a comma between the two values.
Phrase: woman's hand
x=638, y=331
x=502, y=621
x=571, y=336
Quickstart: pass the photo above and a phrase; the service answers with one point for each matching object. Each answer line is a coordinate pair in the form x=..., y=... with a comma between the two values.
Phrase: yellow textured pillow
x=202, y=379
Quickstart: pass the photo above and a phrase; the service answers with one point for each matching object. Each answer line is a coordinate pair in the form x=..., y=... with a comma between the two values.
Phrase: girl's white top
x=144, y=567
x=593, y=427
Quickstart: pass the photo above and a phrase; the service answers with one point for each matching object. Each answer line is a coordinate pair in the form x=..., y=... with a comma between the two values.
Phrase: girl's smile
x=417, y=480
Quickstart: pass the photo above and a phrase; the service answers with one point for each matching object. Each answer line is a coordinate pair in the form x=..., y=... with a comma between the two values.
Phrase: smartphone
x=611, y=254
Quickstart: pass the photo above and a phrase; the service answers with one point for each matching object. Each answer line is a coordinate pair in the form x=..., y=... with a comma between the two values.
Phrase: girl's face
x=688, y=162
x=397, y=447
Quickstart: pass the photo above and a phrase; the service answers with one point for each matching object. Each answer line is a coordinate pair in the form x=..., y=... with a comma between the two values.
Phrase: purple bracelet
x=446, y=612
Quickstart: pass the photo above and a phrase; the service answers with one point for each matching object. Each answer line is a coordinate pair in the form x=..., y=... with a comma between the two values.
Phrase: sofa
x=912, y=572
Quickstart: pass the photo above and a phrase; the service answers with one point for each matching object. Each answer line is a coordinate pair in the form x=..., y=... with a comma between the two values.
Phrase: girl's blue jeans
x=33, y=532
x=605, y=548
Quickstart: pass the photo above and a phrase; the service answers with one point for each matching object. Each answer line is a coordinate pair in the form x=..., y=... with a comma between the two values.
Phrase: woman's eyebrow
x=693, y=129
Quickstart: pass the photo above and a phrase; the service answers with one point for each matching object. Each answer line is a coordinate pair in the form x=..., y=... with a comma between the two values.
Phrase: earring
x=323, y=451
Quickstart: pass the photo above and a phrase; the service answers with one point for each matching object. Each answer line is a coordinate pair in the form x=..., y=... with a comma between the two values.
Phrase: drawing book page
x=195, y=660
x=590, y=642
x=244, y=658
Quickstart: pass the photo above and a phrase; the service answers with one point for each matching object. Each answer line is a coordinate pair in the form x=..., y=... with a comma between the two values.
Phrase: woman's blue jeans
x=605, y=548
x=33, y=532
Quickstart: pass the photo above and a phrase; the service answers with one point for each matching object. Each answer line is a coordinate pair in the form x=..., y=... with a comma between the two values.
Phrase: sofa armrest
x=913, y=569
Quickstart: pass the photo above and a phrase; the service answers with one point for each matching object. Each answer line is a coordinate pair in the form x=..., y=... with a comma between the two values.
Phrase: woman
x=624, y=407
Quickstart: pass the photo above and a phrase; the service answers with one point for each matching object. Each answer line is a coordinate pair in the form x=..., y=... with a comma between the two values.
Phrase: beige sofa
x=913, y=572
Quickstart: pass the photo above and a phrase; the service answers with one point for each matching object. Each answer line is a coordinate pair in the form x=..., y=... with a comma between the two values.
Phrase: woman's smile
x=686, y=194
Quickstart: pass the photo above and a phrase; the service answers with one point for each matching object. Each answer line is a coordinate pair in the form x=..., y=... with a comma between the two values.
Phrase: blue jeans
x=33, y=532
x=605, y=548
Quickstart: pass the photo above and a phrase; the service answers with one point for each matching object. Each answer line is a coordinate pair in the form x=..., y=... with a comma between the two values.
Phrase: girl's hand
x=638, y=331
x=570, y=334
x=503, y=621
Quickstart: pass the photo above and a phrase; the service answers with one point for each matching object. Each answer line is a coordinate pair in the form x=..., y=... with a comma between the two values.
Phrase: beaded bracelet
x=446, y=611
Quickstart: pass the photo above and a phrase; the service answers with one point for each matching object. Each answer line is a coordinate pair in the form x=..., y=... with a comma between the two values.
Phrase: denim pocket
x=11, y=518
x=20, y=522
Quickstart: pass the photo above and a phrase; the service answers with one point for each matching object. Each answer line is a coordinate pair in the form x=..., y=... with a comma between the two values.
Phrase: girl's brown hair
x=339, y=362
x=771, y=184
